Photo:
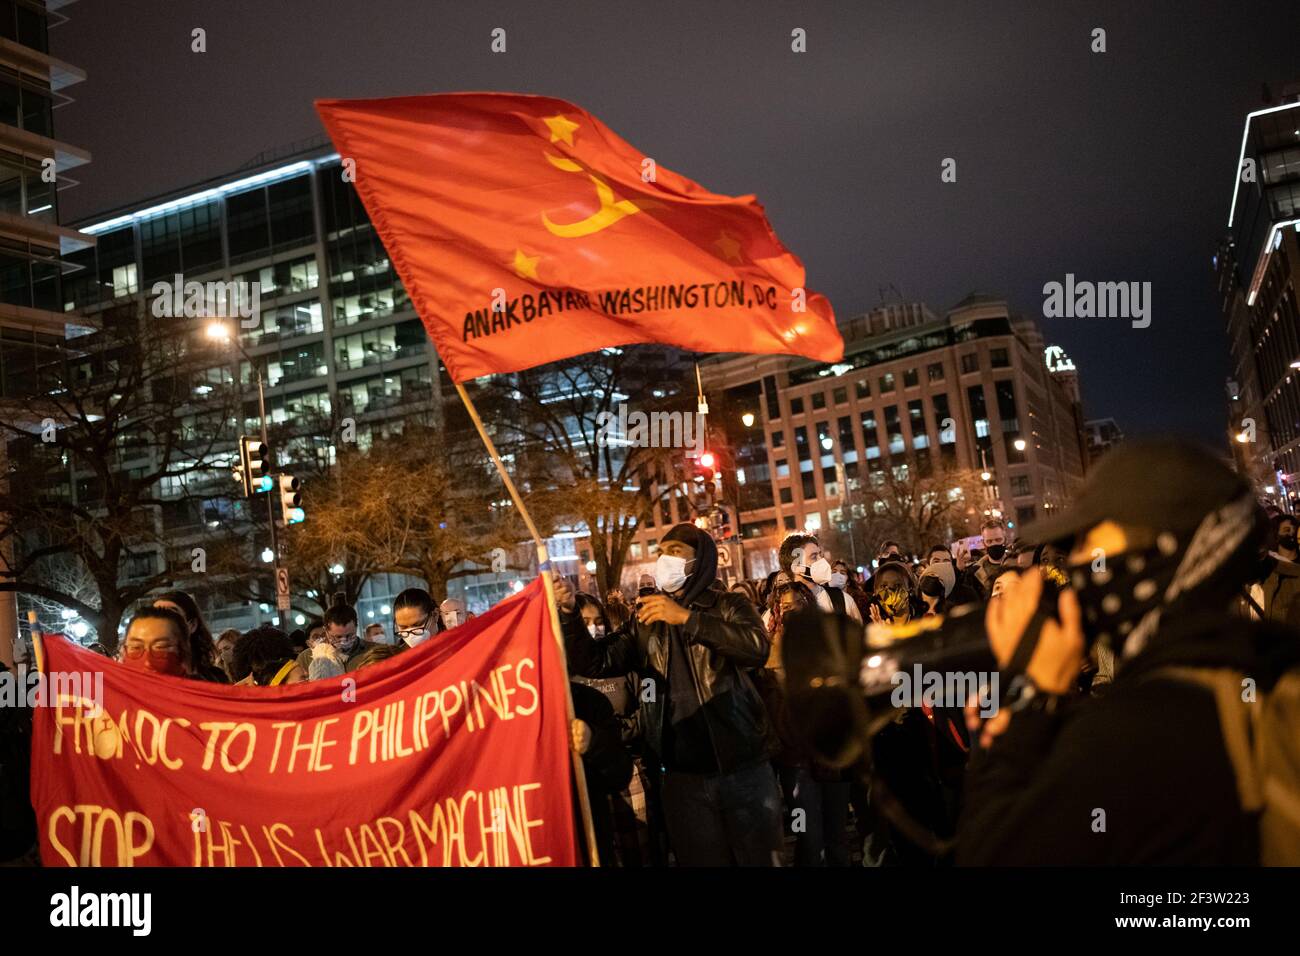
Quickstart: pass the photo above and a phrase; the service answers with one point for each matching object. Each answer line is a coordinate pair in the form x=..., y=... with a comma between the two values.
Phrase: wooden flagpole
x=543, y=566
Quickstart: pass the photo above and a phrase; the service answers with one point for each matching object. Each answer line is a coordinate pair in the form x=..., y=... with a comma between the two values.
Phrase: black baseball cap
x=1165, y=484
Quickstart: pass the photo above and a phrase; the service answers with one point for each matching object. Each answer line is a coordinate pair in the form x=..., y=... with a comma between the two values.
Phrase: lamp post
x=220, y=332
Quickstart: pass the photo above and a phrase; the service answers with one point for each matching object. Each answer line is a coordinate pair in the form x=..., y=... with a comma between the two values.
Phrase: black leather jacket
x=724, y=637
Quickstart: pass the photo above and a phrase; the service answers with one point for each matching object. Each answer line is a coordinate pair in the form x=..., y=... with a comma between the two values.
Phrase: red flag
x=526, y=231
x=455, y=753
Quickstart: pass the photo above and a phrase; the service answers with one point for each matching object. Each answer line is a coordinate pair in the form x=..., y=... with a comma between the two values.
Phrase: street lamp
x=748, y=419
x=336, y=568
x=268, y=555
x=1020, y=444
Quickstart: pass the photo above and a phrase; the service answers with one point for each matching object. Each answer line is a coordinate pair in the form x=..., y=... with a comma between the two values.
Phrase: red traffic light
x=706, y=460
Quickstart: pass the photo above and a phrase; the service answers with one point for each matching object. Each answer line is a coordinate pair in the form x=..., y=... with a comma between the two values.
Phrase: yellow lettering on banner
x=447, y=714
x=279, y=727
x=214, y=729
x=521, y=799
x=173, y=763
x=531, y=688
x=251, y=732
x=399, y=748
x=427, y=714
x=76, y=721
x=96, y=821
x=486, y=694
x=226, y=849
x=276, y=842
x=506, y=690
x=318, y=763
x=393, y=847
x=370, y=847
x=248, y=841
x=52, y=831
x=362, y=724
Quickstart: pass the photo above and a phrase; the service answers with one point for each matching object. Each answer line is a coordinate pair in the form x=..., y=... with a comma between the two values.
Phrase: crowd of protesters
x=695, y=757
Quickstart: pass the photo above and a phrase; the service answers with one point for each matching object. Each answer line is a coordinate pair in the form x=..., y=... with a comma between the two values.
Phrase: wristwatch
x=1024, y=695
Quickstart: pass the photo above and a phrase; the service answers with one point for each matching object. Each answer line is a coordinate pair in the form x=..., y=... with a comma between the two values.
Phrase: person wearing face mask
x=894, y=588
x=452, y=612
x=1166, y=752
x=941, y=563
x=157, y=640
x=414, y=620
x=342, y=649
x=801, y=557
x=979, y=574
x=226, y=649
x=627, y=809
x=1278, y=584
x=704, y=724
x=203, y=650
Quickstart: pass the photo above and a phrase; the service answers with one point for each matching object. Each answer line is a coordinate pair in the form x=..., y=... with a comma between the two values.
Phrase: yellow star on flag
x=526, y=266
x=561, y=128
x=729, y=247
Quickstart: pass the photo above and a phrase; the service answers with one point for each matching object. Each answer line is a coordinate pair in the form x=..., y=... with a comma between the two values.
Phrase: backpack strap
x=1237, y=721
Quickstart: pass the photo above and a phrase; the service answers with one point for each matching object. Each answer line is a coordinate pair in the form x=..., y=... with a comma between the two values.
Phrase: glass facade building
x=959, y=391
x=335, y=336
x=1257, y=266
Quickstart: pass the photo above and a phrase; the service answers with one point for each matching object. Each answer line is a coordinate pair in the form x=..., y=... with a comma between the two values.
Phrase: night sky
x=1115, y=166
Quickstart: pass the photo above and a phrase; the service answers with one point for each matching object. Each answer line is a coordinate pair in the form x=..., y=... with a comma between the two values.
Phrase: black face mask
x=997, y=552
x=1287, y=542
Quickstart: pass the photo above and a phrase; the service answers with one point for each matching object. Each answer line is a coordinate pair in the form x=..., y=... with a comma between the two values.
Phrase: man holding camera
x=1161, y=541
x=704, y=721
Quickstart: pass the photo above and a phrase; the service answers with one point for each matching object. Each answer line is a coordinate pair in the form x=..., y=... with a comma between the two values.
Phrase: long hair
x=803, y=597
x=203, y=650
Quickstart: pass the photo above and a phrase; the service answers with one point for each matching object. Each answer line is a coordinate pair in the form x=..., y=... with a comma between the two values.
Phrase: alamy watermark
x=32, y=688
x=953, y=689
x=1098, y=300
x=209, y=299
x=650, y=429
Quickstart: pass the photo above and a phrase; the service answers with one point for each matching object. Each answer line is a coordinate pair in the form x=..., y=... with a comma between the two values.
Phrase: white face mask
x=839, y=579
x=419, y=637
x=670, y=573
x=820, y=571
x=596, y=630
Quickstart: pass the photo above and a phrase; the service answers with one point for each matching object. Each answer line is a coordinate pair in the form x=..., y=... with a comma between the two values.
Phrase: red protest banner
x=454, y=753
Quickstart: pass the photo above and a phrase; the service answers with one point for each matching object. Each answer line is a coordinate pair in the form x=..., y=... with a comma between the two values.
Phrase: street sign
x=724, y=557
x=282, y=589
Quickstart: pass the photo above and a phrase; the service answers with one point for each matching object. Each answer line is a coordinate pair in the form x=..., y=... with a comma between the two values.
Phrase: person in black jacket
x=1161, y=539
x=704, y=723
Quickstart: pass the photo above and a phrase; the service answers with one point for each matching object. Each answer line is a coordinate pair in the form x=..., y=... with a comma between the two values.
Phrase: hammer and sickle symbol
x=610, y=212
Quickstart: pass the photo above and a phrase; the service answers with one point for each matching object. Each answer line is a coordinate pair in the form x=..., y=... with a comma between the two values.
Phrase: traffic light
x=706, y=467
x=254, y=463
x=291, y=500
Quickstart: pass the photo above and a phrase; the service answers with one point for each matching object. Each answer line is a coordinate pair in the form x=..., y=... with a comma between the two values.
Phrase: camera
x=840, y=677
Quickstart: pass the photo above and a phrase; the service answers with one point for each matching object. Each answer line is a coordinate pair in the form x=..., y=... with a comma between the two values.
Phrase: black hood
x=705, y=570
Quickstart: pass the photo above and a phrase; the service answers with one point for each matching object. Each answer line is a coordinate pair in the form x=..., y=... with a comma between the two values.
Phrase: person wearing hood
x=1150, y=772
x=801, y=556
x=704, y=724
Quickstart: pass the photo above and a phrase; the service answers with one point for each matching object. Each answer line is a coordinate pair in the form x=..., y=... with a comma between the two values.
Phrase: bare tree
x=557, y=423
x=126, y=422
x=909, y=499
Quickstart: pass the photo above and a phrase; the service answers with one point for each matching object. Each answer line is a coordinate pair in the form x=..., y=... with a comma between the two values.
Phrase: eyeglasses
x=412, y=631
